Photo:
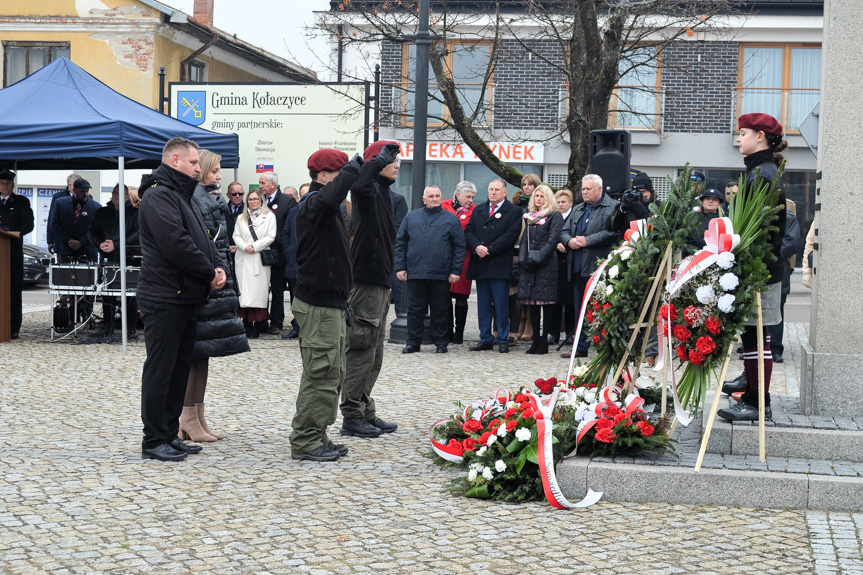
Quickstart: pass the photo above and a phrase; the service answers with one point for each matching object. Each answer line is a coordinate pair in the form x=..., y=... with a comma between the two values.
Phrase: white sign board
x=279, y=125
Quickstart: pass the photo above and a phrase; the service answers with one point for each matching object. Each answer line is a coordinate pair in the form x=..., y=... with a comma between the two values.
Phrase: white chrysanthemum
x=613, y=272
x=609, y=290
x=471, y=475
x=491, y=439
x=580, y=392
x=499, y=465
x=705, y=294
x=488, y=473
x=481, y=451
x=725, y=302
x=729, y=281
x=522, y=434
x=725, y=260
x=579, y=370
x=624, y=255
x=501, y=431
x=589, y=396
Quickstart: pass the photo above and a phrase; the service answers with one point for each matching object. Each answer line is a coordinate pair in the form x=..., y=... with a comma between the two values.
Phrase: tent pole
x=121, y=164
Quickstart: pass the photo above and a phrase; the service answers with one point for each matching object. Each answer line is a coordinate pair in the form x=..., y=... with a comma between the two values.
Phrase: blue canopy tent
x=61, y=117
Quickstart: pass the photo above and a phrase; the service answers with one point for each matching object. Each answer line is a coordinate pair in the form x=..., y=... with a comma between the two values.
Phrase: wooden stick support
x=712, y=417
x=762, y=431
x=666, y=365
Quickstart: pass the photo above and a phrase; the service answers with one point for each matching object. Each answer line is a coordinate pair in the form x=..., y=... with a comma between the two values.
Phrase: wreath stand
x=762, y=431
x=650, y=303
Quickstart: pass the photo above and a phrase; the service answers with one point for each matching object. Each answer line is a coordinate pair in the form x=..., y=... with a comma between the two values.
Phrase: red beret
x=760, y=123
x=376, y=147
x=327, y=160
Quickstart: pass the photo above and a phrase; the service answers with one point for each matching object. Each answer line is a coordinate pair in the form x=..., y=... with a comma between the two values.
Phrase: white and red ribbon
x=442, y=449
x=719, y=237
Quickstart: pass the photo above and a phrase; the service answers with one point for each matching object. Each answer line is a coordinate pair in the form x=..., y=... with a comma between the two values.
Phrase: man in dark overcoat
x=16, y=215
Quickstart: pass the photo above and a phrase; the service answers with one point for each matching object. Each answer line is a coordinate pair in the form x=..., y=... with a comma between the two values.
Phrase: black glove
x=356, y=162
x=629, y=201
x=388, y=154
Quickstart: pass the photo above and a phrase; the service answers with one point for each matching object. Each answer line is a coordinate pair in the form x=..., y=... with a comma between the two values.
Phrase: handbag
x=268, y=256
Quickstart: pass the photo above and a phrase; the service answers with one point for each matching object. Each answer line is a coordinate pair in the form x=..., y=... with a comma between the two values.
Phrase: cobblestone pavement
x=75, y=496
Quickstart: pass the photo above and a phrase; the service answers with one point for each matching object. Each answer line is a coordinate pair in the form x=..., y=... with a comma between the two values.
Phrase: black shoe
x=743, y=412
x=735, y=385
x=338, y=448
x=410, y=348
x=482, y=346
x=777, y=358
x=384, y=426
x=181, y=445
x=163, y=452
x=322, y=453
x=359, y=428
x=441, y=349
x=14, y=335
x=503, y=348
x=739, y=349
x=293, y=334
x=132, y=335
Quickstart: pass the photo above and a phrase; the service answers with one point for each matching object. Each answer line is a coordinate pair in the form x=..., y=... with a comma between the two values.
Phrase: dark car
x=36, y=262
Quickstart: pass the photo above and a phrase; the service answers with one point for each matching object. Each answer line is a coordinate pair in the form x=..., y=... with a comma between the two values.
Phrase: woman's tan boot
x=190, y=426
x=199, y=407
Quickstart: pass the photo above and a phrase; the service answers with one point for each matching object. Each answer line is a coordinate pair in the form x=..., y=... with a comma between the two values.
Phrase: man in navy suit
x=70, y=179
x=491, y=234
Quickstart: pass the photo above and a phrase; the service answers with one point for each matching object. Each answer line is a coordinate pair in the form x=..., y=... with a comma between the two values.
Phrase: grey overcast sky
x=275, y=25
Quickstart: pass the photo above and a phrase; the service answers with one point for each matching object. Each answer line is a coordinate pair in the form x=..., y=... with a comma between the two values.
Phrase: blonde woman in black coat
x=219, y=330
x=537, y=284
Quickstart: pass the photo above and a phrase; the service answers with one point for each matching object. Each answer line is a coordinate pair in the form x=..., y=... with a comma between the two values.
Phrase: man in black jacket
x=104, y=232
x=16, y=215
x=491, y=233
x=280, y=204
x=180, y=265
x=321, y=301
x=372, y=256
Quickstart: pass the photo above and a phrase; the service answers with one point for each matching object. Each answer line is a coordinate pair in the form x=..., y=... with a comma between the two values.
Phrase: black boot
x=460, y=320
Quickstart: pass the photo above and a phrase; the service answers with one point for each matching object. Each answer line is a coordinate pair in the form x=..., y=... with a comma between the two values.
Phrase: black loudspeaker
x=609, y=159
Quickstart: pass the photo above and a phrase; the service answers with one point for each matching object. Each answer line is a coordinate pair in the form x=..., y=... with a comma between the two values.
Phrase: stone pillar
x=831, y=382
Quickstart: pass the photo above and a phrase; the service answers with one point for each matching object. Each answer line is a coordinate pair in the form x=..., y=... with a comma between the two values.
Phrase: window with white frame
x=782, y=80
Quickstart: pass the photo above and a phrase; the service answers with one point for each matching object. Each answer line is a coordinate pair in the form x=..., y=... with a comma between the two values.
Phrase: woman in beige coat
x=252, y=276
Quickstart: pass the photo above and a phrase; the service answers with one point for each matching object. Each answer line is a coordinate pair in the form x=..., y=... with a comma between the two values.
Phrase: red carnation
x=605, y=436
x=520, y=398
x=668, y=309
x=596, y=305
x=456, y=445
x=611, y=410
x=605, y=307
x=527, y=413
x=695, y=357
x=483, y=439
x=523, y=405
x=692, y=314
x=705, y=345
x=510, y=412
x=681, y=333
x=511, y=424
x=545, y=385
x=590, y=316
x=604, y=424
x=681, y=353
x=472, y=426
x=469, y=444
x=603, y=333
x=493, y=423
x=596, y=339
x=713, y=324
x=622, y=417
x=646, y=428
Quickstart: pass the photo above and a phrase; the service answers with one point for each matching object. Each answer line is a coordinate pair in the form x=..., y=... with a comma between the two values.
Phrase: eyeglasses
x=236, y=194
x=254, y=199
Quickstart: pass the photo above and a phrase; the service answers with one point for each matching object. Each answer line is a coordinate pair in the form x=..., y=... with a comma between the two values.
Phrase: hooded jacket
x=372, y=249
x=179, y=258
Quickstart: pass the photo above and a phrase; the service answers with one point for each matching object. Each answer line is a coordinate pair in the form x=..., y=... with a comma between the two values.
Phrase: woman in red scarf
x=462, y=206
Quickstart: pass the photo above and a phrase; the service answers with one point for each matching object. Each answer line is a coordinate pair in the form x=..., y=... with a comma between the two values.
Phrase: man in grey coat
x=589, y=234
x=429, y=256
